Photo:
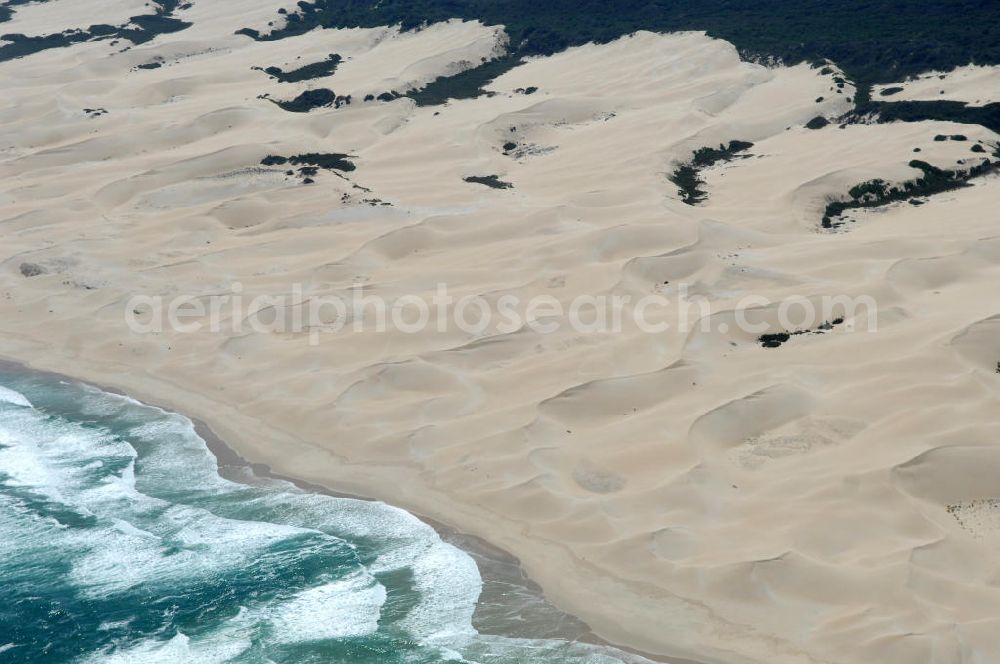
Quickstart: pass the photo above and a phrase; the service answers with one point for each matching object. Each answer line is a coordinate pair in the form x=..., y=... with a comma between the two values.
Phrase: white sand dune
x=50, y=16
x=689, y=494
x=976, y=85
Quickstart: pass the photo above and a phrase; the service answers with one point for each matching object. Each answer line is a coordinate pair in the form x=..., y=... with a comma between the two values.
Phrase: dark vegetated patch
x=306, y=72
x=509, y=146
x=143, y=28
x=310, y=99
x=530, y=90
x=817, y=122
x=775, y=339
x=492, y=181
x=978, y=148
x=467, y=84
x=705, y=157
x=877, y=193
x=687, y=178
x=138, y=30
x=7, y=11
x=953, y=111
x=19, y=45
x=150, y=65
x=464, y=85
x=32, y=270
x=958, y=137
x=888, y=92
x=819, y=99
x=689, y=184
x=872, y=41
x=333, y=161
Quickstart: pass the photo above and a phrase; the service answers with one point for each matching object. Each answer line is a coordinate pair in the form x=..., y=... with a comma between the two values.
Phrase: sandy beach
x=692, y=495
x=511, y=605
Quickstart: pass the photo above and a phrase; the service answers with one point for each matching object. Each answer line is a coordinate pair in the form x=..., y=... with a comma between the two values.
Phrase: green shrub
x=306, y=72
x=687, y=177
x=492, y=181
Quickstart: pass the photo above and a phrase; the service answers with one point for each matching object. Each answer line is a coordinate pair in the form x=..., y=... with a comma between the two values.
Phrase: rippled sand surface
x=692, y=494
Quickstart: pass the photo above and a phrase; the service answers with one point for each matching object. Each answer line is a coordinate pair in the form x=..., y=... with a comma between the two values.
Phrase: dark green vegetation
x=956, y=111
x=7, y=11
x=775, y=339
x=876, y=193
x=705, y=157
x=465, y=85
x=687, y=178
x=492, y=181
x=331, y=161
x=873, y=41
x=888, y=92
x=306, y=72
x=138, y=30
x=689, y=184
x=310, y=99
x=817, y=122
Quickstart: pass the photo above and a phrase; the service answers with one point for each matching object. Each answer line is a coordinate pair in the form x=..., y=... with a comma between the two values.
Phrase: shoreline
x=503, y=361
x=497, y=566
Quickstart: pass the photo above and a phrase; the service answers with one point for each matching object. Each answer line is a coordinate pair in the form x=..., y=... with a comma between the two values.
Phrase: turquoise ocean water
x=120, y=542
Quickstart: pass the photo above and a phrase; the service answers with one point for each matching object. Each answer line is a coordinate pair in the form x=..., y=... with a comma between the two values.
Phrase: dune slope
x=692, y=494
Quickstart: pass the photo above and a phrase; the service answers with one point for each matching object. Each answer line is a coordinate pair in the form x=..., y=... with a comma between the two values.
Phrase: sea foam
x=118, y=510
x=10, y=396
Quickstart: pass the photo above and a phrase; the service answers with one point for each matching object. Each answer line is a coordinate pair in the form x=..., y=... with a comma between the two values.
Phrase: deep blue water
x=120, y=542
